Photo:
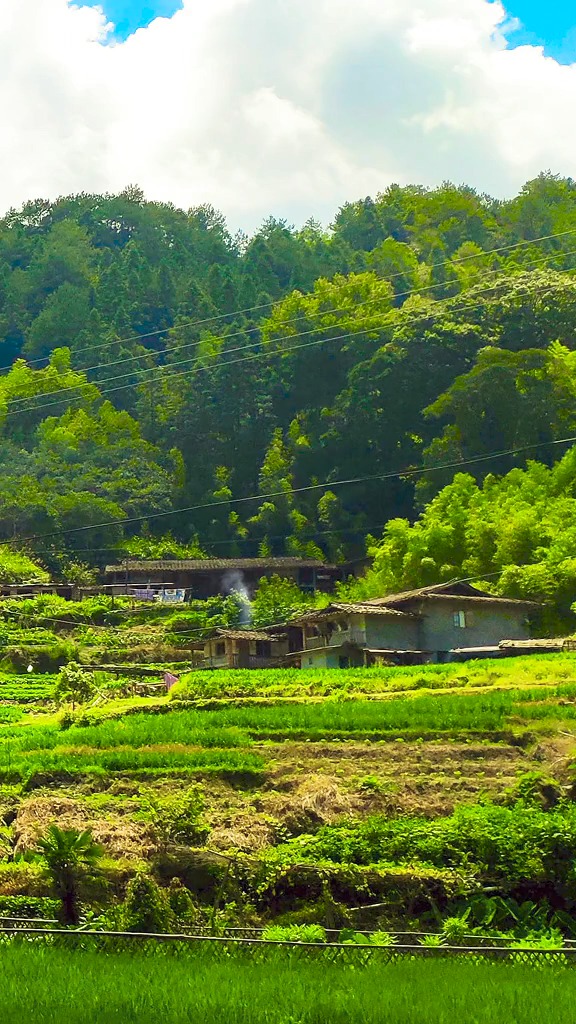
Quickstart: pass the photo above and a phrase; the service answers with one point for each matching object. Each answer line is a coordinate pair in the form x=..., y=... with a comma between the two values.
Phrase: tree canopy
x=153, y=362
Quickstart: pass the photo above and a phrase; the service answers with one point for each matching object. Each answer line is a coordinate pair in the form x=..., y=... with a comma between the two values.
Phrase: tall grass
x=190, y=728
x=48, y=985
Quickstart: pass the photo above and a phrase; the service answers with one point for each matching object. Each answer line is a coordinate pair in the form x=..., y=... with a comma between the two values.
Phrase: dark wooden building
x=202, y=578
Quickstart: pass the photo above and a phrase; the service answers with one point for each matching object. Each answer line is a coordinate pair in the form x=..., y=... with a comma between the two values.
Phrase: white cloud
x=287, y=107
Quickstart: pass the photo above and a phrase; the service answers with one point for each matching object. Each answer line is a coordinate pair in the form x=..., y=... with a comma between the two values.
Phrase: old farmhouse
x=209, y=577
x=242, y=648
x=410, y=628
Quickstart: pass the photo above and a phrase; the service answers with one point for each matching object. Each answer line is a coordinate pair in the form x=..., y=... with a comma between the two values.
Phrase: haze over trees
x=151, y=361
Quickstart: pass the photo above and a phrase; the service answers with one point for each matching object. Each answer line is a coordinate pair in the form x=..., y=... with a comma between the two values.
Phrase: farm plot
x=140, y=743
x=242, y=683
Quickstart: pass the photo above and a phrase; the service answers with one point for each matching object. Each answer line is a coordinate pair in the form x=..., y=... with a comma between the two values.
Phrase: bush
x=29, y=906
x=181, y=903
x=178, y=819
x=146, y=908
x=43, y=659
x=520, y=843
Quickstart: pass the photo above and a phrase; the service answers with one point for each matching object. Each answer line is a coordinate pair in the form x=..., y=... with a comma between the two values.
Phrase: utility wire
x=165, y=373
x=305, y=316
x=168, y=378
x=266, y=305
x=329, y=485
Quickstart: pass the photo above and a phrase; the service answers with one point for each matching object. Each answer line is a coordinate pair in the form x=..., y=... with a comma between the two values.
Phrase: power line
x=285, y=323
x=329, y=485
x=163, y=375
x=323, y=312
x=266, y=305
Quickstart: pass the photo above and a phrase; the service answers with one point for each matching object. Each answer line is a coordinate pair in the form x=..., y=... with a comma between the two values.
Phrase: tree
x=71, y=858
x=277, y=600
x=74, y=685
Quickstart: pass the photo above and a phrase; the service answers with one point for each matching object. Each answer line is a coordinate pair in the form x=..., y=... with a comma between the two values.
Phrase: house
x=412, y=627
x=243, y=648
x=209, y=577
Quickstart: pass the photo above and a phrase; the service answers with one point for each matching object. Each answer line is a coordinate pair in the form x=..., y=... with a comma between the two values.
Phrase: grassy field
x=45, y=986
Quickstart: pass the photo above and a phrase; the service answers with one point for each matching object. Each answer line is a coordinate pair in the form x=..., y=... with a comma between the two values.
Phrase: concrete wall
x=485, y=626
x=390, y=633
x=322, y=657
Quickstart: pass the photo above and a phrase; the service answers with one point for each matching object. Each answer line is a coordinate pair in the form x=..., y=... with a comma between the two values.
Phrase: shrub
x=178, y=818
x=29, y=906
x=535, y=788
x=147, y=907
x=181, y=903
x=47, y=658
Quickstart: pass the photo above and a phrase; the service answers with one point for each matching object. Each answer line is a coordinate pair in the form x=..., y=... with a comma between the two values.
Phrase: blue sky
x=551, y=23
x=128, y=15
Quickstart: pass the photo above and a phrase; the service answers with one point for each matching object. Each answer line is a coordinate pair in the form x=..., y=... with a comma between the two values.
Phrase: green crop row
x=47, y=764
x=516, y=672
x=191, y=729
x=505, y=844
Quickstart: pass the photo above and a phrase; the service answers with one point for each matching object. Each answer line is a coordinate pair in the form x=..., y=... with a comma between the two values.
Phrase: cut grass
x=48, y=985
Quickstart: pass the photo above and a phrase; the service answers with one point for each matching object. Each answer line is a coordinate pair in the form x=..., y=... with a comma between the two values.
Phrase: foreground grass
x=45, y=986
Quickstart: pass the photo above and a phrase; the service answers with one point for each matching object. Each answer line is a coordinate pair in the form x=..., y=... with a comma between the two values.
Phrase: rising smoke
x=234, y=584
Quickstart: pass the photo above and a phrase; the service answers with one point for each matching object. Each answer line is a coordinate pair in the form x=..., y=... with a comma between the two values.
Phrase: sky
x=282, y=107
x=550, y=24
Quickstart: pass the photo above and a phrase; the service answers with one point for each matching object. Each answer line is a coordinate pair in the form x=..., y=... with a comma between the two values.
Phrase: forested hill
x=153, y=361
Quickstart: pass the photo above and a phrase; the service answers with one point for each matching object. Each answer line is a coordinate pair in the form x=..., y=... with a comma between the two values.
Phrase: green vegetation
x=146, y=908
x=435, y=796
x=231, y=805
x=61, y=985
x=70, y=859
x=37, y=769
x=501, y=844
x=513, y=672
x=434, y=330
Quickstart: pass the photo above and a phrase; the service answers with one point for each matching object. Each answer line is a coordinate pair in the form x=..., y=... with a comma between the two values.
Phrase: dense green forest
x=152, y=361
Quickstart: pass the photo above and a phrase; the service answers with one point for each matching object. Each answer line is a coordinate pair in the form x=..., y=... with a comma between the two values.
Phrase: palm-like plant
x=69, y=856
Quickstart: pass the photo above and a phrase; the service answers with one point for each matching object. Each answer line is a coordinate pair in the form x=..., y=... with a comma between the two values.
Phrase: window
x=460, y=620
x=220, y=650
x=343, y=662
x=263, y=649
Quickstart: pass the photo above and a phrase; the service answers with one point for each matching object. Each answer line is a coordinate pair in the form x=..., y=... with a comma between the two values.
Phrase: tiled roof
x=364, y=608
x=208, y=564
x=243, y=634
x=446, y=591
x=556, y=644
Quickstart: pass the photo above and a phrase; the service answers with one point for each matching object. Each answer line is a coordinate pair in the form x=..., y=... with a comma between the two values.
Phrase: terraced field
x=261, y=774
